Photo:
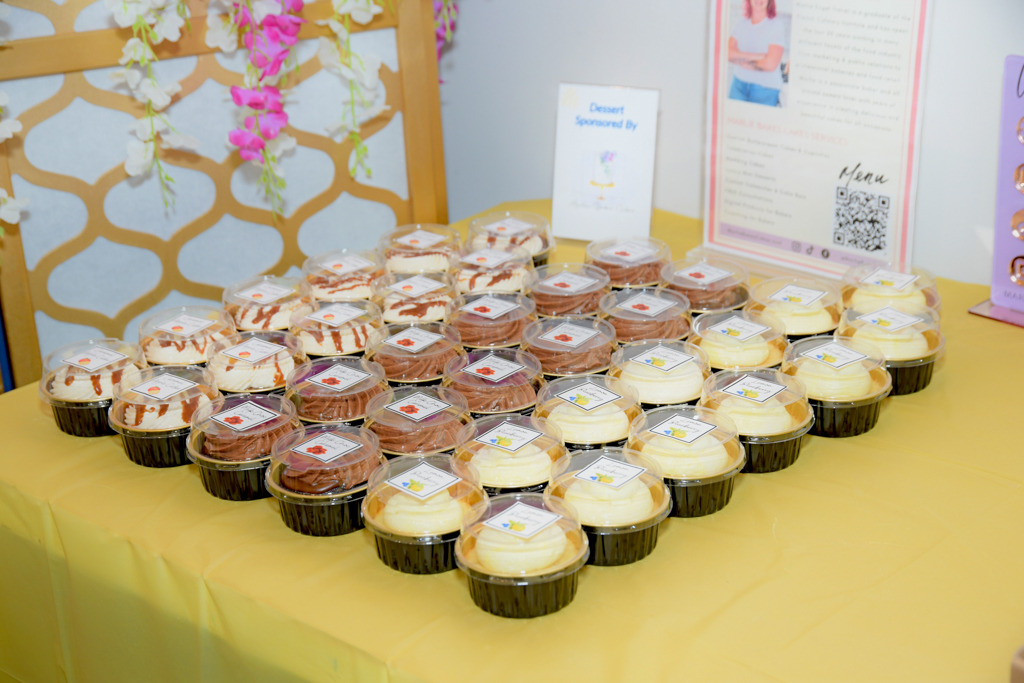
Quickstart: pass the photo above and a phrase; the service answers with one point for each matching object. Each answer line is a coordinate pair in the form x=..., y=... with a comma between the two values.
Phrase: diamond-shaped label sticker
x=423, y=481
x=163, y=386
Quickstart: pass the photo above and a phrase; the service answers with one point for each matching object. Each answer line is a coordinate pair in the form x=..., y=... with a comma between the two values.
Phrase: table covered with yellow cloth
x=897, y=555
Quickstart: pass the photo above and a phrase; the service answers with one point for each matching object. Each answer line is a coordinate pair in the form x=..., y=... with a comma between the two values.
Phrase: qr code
x=861, y=220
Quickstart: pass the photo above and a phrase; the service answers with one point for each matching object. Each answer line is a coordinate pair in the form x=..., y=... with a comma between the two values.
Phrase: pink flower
x=250, y=146
x=287, y=24
x=266, y=51
x=242, y=16
x=270, y=124
x=291, y=5
x=266, y=98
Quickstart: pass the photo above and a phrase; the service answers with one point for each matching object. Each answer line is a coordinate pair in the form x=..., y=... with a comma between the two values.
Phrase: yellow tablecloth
x=893, y=556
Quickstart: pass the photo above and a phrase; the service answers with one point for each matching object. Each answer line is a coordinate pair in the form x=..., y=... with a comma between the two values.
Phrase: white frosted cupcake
x=806, y=306
x=512, y=453
x=254, y=361
x=266, y=302
x=421, y=247
x=343, y=275
x=414, y=297
x=663, y=372
x=740, y=339
x=336, y=328
x=181, y=336
x=590, y=410
x=501, y=270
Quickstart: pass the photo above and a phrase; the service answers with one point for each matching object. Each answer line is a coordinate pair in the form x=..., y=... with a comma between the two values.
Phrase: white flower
x=327, y=53
x=364, y=69
x=361, y=11
x=4, y=98
x=140, y=157
x=262, y=8
x=8, y=128
x=130, y=77
x=336, y=26
x=221, y=33
x=157, y=95
x=146, y=127
x=281, y=144
x=168, y=26
x=11, y=208
x=135, y=51
x=127, y=11
x=178, y=141
x=343, y=127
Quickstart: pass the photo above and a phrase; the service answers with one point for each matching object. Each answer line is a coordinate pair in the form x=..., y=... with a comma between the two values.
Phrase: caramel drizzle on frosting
x=264, y=315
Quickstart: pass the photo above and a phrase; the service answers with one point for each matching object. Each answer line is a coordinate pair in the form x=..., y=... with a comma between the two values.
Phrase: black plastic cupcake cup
x=82, y=419
x=541, y=259
x=797, y=337
x=498, y=491
x=525, y=412
x=399, y=384
x=773, y=453
x=150, y=449
x=594, y=446
x=653, y=406
x=235, y=484
x=322, y=519
x=618, y=548
x=524, y=598
x=392, y=456
x=356, y=354
x=358, y=422
x=695, y=499
x=436, y=557
x=910, y=379
x=838, y=421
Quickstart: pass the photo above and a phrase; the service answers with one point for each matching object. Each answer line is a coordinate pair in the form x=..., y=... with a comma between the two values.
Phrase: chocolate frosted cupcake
x=319, y=477
x=490, y=320
x=522, y=553
x=266, y=302
x=907, y=335
x=414, y=297
x=567, y=289
x=492, y=270
x=592, y=411
x=417, y=421
x=335, y=389
x=699, y=454
x=771, y=414
x=529, y=231
x=420, y=248
x=232, y=439
x=343, y=275
x=630, y=262
x=153, y=416
x=512, y=453
x=493, y=382
x=78, y=382
x=249, y=362
x=620, y=499
x=336, y=329
x=646, y=313
x=807, y=307
x=181, y=336
x=711, y=284
x=866, y=285
x=414, y=353
x=663, y=372
x=737, y=340
x=845, y=379
x=415, y=509
x=570, y=345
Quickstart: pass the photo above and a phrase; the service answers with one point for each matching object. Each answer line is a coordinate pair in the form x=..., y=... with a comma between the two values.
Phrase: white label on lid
x=326, y=447
x=423, y=481
x=508, y=226
x=164, y=386
x=413, y=339
x=508, y=437
x=568, y=282
x=493, y=368
x=418, y=407
x=645, y=304
x=703, y=273
x=265, y=292
x=609, y=472
x=739, y=328
x=630, y=252
x=754, y=389
x=420, y=239
x=569, y=335
x=417, y=285
x=489, y=307
x=794, y=294
x=683, y=429
x=890, y=319
x=253, y=350
x=889, y=278
x=834, y=355
x=487, y=258
x=185, y=325
x=588, y=396
x=346, y=264
x=245, y=416
x=522, y=520
x=662, y=358
x=339, y=377
x=94, y=358
x=336, y=314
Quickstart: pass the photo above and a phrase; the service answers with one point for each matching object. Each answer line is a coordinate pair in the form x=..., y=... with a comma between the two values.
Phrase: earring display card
x=1008, y=263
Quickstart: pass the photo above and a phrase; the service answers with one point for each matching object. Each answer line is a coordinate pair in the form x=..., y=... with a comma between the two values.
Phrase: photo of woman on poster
x=756, y=47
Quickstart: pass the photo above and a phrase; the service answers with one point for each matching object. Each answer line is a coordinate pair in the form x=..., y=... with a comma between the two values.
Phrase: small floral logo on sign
x=563, y=337
x=84, y=361
x=409, y=410
x=732, y=332
x=602, y=478
x=233, y=420
x=244, y=354
x=696, y=275
x=826, y=358
x=257, y=295
x=792, y=299
x=563, y=285
x=514, y=525
x=641, y=307
x=656, y=362
x=622, y=253
x=177, y=328
x=678, y=433
x=405, y=342
x=880, y=321
x=413, y=485
x=153, y=390
x=333, y=381
x=482, y=309
x=485, y=371
x=316, y=450
x=579, y=400
x=502, y=441
x=328, y=316
x=749, y=393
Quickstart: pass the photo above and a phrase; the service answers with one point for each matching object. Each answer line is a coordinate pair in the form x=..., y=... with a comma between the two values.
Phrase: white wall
x=502, y=75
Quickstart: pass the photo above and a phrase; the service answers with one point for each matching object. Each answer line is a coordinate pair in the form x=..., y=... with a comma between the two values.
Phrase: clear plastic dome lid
x=521, y=536
x=589, y=409
x=420, y=497
x=414, y=352
x=709, y=282
x=663, y=355
x=181, y=335
x=255, y=360
x=343, y=275
x=490, y=319
x=414, y=420
x=688, y=442
x=492, y=269
x=838, y=368
x=422, y=247
x=760, y=402
x=740, y=339
x=163, y=398
x=647, y=313
x=323, y=460
x=567, y=280
x=88, y=370
x=266, y=302
x=495, y=381
x=903, y=331
x=662, y=371
x=570, y=344
x=630, y=260
x=241, y=427
x=530, y=231
x=864, y=283
x=795, y=293
x=335, y=388
x=510, y=451
x=414, y=297
x=336, y=328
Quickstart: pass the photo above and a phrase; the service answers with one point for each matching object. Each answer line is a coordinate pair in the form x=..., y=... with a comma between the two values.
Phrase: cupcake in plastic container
x=845, y=380
x=567, y=289
x=646, y=313
x=421, y=247
x=343, y=275
x=319, y=476
x=257, y=361
x=490, y=320
x=529, y=231
x=181, y=336
x=512, y=453
x=415, y=509
x=770, y=411
x=232, y=439
x=663, y=372
x=335, y=389
x=592, y=411
x=266, y=302
x=620, y=499
x=78, y=382
x=492, y=269
x=417, y=421
x=630, y=261
x=866, y=285
x=699, y=454
x=522, y=553
x=336, y=329
x=711, y=284
x=154, y=414
x=807, y=307
x=414, y=297
x=740, y=340
x=495, y=382
x=414, y=353
x=907, y=335
x=570, y=344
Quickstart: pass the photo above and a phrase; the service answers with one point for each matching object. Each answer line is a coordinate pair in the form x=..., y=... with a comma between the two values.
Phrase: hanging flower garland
x=445, y=14
x=10, y=208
